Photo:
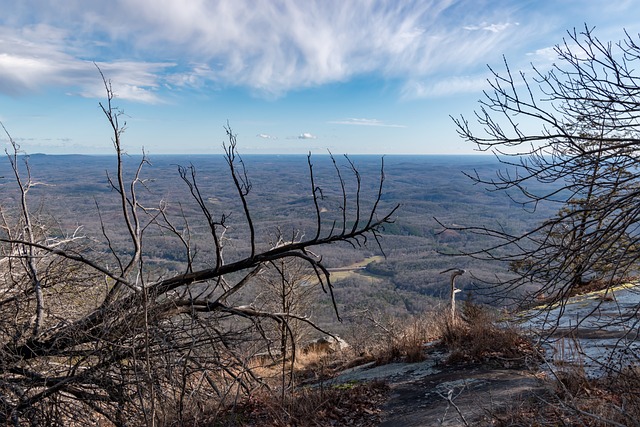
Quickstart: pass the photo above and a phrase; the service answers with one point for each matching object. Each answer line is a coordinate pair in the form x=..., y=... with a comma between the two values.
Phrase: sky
x=288, y=76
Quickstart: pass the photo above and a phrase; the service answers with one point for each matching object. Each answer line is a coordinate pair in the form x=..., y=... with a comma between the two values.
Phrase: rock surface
x=595, y=332
x=587, y=331
x=456, y=397
x=431, y=393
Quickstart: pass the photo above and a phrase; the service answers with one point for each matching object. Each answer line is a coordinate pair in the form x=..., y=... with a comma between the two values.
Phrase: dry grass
x=309, y=401
x=345, y=405
x=386, y=339
x=482, y=338
x=570, y=398
x=319, y=366
x=406, y=343
x=573, y=399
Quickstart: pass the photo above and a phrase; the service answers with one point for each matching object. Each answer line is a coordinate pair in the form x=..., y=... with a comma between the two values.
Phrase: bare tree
x=583, y=158
x=288, y=287
x=455, y=272
x=569, y=137
x=122, y=343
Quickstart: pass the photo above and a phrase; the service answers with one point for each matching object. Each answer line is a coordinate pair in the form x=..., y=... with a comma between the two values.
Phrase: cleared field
x=342, y=273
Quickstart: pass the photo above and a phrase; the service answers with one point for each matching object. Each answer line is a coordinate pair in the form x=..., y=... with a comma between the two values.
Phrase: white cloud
x=365, y=122
x=307, y=135
x=196, y=76
x=34, y=58
x=547, y=56
x=133, y=81
x=271, y=47
x=547, y=53
x=266, y=136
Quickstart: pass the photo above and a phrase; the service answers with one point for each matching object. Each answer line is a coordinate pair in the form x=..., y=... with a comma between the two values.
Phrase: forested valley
x=401, y=276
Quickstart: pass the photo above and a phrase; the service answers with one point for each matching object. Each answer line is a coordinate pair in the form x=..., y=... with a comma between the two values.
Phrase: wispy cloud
x=34, y=58
x=196, y=75
x=494, y=28
x=282, y=46
x=444, y=87
x=547, y=53
x=266, y=136
x=365, y=122
x=271, y=47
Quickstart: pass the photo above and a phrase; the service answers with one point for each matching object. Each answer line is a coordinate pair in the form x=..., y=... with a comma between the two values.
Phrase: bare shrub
x=567, y=138
x=408, y=343
x=481, y=337
x=385, y=339
x=352, y=404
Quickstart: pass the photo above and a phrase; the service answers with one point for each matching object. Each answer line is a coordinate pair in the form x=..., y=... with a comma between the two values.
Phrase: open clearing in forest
x=342, y=273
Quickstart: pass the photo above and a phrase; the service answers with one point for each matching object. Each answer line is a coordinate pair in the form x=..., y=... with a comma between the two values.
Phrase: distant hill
x=427, y=187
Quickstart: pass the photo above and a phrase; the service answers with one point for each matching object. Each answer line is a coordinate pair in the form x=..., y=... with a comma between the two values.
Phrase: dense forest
x=401, y=276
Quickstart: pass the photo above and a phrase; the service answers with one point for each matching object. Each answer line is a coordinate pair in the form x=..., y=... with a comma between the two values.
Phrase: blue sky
x=290, y=76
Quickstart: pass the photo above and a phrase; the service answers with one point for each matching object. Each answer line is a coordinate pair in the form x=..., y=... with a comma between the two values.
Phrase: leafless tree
x=569, y=138
x=288, y=287
x=455, y=272
x=89, y=336
x=583, y=158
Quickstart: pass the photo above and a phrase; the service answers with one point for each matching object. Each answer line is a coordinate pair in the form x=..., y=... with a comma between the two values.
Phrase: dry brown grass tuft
x=386, y=339
x=574, y=399
x=343, y=405
x=405, y=343
x=482, y=338
x=319, y=366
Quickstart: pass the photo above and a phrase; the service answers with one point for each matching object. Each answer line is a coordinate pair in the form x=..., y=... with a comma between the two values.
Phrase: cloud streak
x=270, y=47
x=494, y=28
x=365, y=122
x=445, y=86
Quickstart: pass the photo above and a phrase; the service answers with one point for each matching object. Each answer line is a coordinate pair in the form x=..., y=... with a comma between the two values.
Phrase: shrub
x=479, y=337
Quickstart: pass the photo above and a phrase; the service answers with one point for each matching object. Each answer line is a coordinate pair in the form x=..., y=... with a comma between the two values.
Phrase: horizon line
x=258, y=154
